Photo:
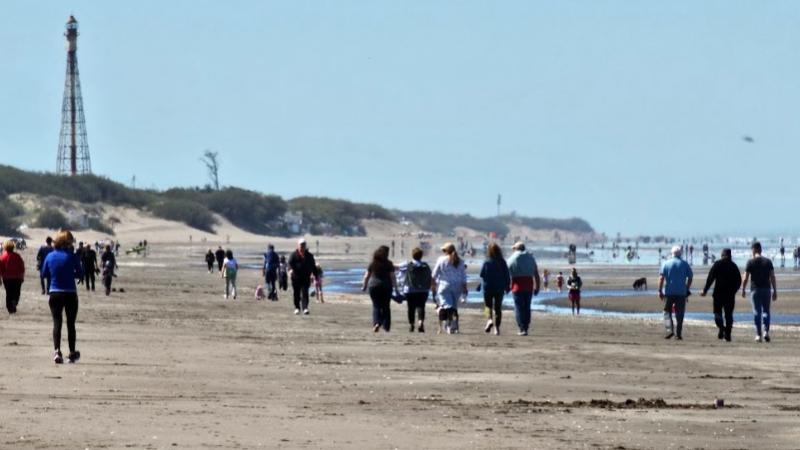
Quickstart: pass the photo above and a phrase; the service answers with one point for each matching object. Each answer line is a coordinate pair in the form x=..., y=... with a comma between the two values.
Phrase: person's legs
x=86, y=274
x=728, y=307
x=680, y=309
x=518, y=309
x=527, y=297
x=233, y=286
x=755, y=301
x=91, y=279
x=296, y=288
x=668, y=324
x=41, y=281
x=227, y=287
x=304, y=294
x=765, y=307
x=497, y=304
x=387, y=312
x=56, y=307
x=71, y=308
x=718, y=318
x=10, y=306
x=412, y=310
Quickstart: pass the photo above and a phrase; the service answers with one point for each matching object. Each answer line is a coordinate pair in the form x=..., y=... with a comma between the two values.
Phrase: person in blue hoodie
x=61, y=267
x=496, y=284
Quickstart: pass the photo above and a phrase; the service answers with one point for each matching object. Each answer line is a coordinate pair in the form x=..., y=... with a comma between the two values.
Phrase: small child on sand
x=318, y=283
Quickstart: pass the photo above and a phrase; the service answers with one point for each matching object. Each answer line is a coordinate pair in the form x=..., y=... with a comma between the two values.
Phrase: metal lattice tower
x=73, y=147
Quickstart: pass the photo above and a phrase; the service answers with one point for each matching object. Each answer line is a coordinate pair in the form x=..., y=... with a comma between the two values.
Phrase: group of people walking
x=675, y=282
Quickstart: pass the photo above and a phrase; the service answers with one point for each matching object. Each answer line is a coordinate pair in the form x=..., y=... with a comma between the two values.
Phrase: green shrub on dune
x=191, y=213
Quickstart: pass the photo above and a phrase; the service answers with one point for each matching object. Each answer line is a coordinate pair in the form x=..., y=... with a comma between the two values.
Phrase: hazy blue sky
x=627, y=113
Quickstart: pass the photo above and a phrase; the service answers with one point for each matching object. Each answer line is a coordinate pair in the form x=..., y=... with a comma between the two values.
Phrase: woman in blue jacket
x=61, y=267
x=496, y=283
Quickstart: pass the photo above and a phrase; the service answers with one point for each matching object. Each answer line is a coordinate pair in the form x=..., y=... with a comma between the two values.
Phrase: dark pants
x=271, y=279
x=416, y=305
x=522, y=309
x=210, y=265
x=61, y=302
x=88, y=278
x=381, y=299
x=107, y=279
x=13, y=288
x=493, y=306
x=724, y=305
x=219, y=264
x=300, y=291
x=45, y=284
x=679, y=302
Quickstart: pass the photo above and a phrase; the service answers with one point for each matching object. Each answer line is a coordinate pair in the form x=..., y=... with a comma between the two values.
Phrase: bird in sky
x=748, y=139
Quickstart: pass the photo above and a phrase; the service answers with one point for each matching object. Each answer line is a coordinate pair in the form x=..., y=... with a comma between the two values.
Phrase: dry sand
x=170, y=364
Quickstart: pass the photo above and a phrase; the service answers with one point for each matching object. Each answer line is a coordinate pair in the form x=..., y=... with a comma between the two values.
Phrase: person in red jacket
x=12, y=272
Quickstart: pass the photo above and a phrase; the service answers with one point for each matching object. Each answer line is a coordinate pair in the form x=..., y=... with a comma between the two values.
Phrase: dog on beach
x=640, y=284
x=259, y=292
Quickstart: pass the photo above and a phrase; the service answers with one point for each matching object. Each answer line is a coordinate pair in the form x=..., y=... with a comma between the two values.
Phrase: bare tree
x=211, y=161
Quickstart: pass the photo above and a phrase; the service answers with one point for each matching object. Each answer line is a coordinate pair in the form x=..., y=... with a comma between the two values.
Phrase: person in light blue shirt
x=673, y=287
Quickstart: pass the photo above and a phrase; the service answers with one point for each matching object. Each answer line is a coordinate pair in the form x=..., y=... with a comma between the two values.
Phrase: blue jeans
x=760, y=299
x=522, y=309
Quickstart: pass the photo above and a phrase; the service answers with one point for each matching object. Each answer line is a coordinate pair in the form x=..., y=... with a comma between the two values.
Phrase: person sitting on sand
x=760, y=270
x=496, y=284
x=449, y=282
x=380, y=281
x=677, y=275
x=210, y=260
x=726, y=278
x=230, y=268
x=574, y=284
x=524, y=284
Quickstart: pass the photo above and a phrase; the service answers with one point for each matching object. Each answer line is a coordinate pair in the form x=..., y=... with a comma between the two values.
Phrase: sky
x=628, y=114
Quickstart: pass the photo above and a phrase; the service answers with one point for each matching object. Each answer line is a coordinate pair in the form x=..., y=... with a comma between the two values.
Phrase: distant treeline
x=249, y=210
x=445, y=223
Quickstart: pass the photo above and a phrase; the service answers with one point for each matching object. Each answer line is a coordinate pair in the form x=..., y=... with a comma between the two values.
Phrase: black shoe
x=766, y=337
x=421, y=329
x=721, y=334
x=74, y=357
x=411, y=328
x=678, y=338
x=669, y=336
x=727, y=337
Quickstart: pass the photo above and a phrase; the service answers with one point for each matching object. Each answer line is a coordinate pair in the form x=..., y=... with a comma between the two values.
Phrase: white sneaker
x=225, y=296
x=305, y=312
x=296, y=312
x=758, y=339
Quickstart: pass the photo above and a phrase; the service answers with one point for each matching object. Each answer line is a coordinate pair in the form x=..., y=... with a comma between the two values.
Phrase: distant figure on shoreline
x=574, y=284
x=726, y=278
x=12, y=274
x=210, y=260
x=546, y=280
x=677, y=275
x=230, y=269
x=109, y=264
x=761, y=273
x=44, y=250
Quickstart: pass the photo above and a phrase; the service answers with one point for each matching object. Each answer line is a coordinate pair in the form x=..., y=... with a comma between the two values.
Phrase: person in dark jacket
x=40, y=256
x=210, y=258
x=220, y=254
x=496, y=284
x=270, y=271
x=61, y=267
x=90, y=268
x=109, y=263
x=726, y=278
x=301, y=267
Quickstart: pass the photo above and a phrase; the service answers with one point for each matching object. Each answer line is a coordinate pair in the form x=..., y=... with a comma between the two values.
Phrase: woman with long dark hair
x=381, y=281
x=61, y=267
x=496, y=283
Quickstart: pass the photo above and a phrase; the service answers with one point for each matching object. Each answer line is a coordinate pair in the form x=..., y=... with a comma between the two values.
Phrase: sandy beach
x=170, y=364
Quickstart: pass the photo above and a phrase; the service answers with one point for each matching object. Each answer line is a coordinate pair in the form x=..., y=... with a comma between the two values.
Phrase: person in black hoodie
x=301, y=267
x=725, y=273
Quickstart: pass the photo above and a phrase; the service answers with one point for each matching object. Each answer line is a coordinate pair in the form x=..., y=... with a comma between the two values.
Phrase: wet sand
x=170, y=364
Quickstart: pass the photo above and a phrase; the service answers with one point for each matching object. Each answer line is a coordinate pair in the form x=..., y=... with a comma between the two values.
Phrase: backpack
x=418, y=277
